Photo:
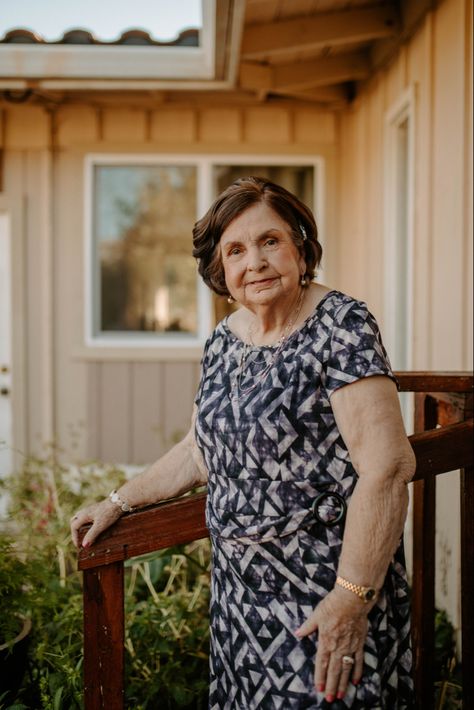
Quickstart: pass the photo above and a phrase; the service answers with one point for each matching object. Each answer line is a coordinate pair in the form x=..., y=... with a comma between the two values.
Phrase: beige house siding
x=437, y=63
x=122, y=405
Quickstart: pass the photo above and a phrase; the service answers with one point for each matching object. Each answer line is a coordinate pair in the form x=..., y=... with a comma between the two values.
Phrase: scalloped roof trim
x=80, y=36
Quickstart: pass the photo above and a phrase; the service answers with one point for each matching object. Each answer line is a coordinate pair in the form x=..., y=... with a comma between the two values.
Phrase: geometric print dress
x=280, y=478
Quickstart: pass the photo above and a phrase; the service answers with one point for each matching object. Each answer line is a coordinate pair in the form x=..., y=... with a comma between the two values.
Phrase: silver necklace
x=247, y=346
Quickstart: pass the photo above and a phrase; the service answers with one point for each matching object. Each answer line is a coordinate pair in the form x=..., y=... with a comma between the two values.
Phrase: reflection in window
x=145, y=275
x=298, y=179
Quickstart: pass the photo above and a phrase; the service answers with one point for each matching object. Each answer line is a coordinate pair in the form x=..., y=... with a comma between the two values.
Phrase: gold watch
x=367, y=594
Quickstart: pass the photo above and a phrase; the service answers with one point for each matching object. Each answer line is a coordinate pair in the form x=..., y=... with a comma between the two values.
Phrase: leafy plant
x=448, y=687
x=167, y=596
x=15, y=590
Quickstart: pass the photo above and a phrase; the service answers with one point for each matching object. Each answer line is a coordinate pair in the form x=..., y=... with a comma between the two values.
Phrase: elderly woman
x=297, y=430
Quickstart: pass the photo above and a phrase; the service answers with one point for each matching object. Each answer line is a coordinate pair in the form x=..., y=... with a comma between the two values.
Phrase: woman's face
x=262, y=265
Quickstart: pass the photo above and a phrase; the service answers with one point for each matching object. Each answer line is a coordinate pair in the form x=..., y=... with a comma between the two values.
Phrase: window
x=398, y=237
x=142, y=283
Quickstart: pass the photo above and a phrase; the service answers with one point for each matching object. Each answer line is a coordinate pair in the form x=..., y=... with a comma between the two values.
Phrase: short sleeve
x=356, y=348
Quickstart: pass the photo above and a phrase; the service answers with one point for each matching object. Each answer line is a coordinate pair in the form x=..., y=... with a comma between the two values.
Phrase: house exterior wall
x=437, y=65
x=127, y=405
x=124, y=405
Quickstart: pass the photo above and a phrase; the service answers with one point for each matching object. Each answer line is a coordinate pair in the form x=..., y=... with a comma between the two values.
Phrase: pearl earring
x=230, y=299
x=303, y=280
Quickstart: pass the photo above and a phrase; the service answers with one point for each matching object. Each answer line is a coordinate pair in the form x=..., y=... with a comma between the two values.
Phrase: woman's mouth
x=262, y=282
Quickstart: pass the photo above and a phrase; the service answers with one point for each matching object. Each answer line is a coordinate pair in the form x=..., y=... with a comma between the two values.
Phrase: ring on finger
x=348, y=661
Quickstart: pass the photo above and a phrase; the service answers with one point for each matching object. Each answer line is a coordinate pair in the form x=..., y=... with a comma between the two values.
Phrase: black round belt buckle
x=324, y=497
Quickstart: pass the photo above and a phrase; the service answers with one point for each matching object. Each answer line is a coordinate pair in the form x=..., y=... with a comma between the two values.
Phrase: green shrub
x=448, y=686
x=166, y=602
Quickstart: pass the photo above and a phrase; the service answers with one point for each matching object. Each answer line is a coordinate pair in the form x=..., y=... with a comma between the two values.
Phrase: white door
x=5, y=348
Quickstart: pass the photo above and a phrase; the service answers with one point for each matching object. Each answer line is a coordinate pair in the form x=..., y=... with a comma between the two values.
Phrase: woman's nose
x=256, y=260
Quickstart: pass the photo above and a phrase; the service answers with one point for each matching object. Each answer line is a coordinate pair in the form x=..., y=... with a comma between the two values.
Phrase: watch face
x=369, y=594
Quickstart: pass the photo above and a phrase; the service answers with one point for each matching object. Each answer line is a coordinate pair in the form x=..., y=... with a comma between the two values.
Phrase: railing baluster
x=104, y=637
x=467, y=574
x=423, y=592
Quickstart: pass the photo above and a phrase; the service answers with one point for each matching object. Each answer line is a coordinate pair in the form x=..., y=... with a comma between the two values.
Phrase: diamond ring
x=347, y=661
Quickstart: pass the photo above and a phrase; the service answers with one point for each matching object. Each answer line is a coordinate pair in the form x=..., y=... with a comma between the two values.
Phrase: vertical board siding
x=124, y=125
x=448, y=176
x=27, y=127
x=174, y=126
x=115, y=409
x=179, y=390
x=138, y=410
x=15, y=182
x=38, y=284
x=94, y=421
x=147, y=412
x=419, y=68
x=267, y=125
x=77, y=124
x=435, y=62
x=220, y=125
x=70, y=373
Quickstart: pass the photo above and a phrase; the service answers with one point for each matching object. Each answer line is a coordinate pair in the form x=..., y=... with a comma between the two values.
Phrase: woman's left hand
x=341, y=623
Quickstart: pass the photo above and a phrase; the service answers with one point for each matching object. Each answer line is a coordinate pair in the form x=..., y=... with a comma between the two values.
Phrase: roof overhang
x=211, y=65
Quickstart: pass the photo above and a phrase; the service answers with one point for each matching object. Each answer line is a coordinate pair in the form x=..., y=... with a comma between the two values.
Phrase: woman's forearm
x=172, y=474
x=179, y=470
x=374, y=525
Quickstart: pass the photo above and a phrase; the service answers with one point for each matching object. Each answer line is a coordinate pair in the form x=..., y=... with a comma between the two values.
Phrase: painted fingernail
x=340, y=695
x=298, y=633
x=85, y=545
x=329, y=698
x=356, y=682
x=321, y=688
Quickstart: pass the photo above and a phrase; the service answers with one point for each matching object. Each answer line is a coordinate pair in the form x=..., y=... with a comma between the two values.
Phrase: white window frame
x=64, y=61
x=402, y=110
x=205, y=195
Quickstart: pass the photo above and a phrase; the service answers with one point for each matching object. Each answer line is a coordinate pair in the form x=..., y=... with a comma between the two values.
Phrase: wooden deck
x=442, y=443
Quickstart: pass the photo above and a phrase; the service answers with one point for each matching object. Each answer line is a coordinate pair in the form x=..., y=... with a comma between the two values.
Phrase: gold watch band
x=367, y=594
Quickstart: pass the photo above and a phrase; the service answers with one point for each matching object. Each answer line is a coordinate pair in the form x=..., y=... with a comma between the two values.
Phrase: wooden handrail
x=182, y=520
x=461, y=382
x=438, y=450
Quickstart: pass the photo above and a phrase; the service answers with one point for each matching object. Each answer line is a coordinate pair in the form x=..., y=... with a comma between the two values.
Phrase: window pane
x=145, y=275
x=298, y=179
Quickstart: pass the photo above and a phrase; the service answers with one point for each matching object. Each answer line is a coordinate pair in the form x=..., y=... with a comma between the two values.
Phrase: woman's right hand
x=102, y=515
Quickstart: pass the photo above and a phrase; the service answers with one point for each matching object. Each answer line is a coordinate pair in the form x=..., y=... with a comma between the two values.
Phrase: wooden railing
x=441, y=400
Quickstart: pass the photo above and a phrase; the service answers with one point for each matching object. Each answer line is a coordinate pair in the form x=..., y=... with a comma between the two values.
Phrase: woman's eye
x=234, y=251
x=271, y=242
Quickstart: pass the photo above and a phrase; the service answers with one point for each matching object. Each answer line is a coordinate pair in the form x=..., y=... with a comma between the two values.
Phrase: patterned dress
x=271, y=451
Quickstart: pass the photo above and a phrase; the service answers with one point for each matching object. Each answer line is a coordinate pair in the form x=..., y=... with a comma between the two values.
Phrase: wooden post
x=104, y=637
x=467, y=573
x=423, y=598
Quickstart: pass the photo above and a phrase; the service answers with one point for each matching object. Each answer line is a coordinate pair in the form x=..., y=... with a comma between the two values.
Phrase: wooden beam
x=317, y=31
x=322, y=94
x=304, y=75
x=412, y=14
